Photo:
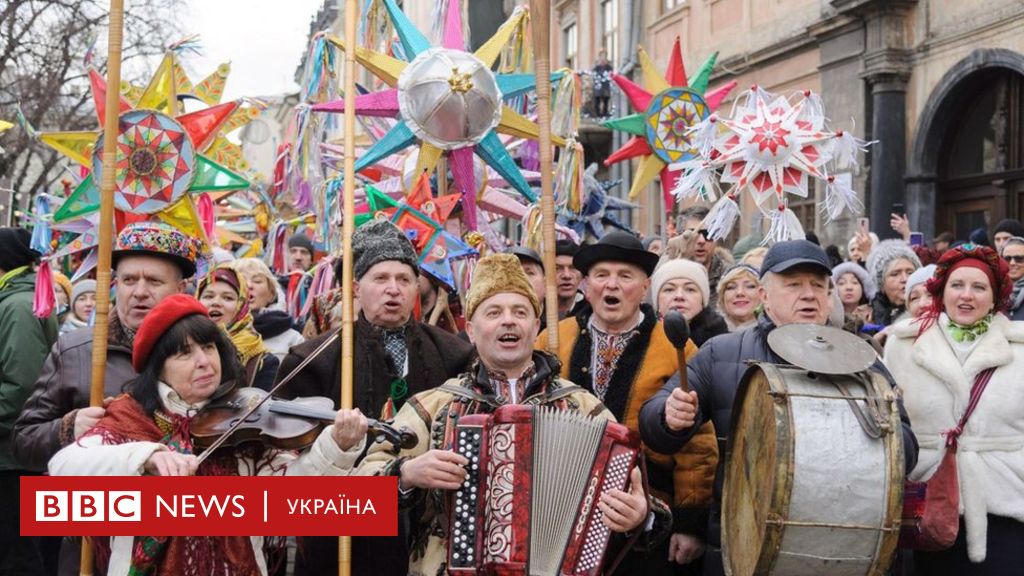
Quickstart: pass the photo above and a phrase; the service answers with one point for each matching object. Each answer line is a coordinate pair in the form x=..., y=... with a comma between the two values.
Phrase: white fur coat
x=936, y=390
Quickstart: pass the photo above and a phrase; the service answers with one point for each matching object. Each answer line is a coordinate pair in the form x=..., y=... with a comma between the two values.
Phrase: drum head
x=754, y=490
x=821, y=349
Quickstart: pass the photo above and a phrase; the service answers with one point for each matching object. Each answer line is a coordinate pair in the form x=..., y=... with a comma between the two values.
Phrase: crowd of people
x=181, y=336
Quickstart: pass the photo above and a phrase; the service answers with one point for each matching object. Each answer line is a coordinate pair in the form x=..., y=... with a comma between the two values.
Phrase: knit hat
x=160, y=240
x=1010, y=225
x=300, y=240
x=159, y=320
x=496, y=274
x=920, y=276
x=65, y=284
x=680, y=268
x=884, y=254
x=379, y=241
x=16, y=249
x=81, y=288
x=867, y=284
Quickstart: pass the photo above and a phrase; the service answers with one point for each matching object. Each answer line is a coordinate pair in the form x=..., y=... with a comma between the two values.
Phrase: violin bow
x=312, y=356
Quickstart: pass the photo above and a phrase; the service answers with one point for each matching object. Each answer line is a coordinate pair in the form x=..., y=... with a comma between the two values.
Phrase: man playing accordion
x=502, y=311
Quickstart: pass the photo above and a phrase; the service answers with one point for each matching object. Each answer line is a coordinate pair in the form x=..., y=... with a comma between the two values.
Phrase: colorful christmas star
x=667, y=108
x=449, y=100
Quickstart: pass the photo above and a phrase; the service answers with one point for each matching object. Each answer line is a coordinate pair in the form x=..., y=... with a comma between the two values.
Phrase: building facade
x=938, y=83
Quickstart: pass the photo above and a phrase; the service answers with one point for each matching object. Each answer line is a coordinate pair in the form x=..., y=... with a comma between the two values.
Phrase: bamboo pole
x=540, y=24
x=349, y=224
x=102, y=321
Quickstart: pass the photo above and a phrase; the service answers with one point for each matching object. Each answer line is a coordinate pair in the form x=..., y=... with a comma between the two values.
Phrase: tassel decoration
x=722, y=217
x=840, y=196
x=44, y=300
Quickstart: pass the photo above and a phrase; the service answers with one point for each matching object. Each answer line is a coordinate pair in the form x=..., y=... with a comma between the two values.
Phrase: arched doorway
x=967, y=166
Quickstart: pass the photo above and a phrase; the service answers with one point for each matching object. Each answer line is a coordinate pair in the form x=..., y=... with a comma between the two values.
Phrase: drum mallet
x=678, y=332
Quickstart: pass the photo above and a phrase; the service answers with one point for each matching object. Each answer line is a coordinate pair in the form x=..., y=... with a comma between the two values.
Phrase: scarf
x=125, y=421
x=12, y=275
x=1017, y=295
x=397, y=351
x=247, y=341
x=961, y=333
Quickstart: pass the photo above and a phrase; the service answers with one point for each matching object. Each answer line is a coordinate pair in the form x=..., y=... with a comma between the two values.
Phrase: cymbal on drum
x=821, y=349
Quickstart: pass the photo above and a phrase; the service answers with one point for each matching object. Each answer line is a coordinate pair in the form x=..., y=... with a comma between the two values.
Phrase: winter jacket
x=883, y=311
x=706, y=325
x=683, y=479
x=431, y=415
x=47, y=423
x=91, y=456
x=24, y=342
x=936, y=388
x=715, y=373
x=279, y=335
x=434, y=355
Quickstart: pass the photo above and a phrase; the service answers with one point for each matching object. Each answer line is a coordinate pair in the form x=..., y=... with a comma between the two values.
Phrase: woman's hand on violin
x=349, y=428
x=441, y=469
x=625, y=511
x=168, y=463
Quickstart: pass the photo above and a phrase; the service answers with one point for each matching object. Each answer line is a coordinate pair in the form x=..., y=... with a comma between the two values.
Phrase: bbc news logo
x=209, y=506
x=88, y=506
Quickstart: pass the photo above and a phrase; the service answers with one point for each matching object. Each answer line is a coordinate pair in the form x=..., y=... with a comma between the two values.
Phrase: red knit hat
x=159, y=321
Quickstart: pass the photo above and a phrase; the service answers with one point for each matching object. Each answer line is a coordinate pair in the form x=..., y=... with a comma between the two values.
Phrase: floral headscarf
x=968, y=255
x=247, y=341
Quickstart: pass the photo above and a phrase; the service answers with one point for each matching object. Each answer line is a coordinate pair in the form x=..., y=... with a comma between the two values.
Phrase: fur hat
x=680, y=268
x=920, y=276
x=884, y=254
x=867, y=284
x=379, y=241
x=496, y=274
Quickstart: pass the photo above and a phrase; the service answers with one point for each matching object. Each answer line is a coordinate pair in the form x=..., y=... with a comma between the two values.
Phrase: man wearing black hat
x=395, y=358
x=300, y=253
x=794, y=290
x=568, y=279
x=617, y=349
x=24, y=344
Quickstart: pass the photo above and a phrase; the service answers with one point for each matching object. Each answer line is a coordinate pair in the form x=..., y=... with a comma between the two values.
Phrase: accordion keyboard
x=464, y=525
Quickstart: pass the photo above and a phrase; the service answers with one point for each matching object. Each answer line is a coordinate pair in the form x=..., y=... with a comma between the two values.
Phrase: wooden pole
x=102, y=321
x=540, y=23
x=349, y=225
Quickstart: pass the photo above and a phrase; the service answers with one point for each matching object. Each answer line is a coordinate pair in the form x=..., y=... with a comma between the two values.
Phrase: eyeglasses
x=703, y=232
x=1014, y=259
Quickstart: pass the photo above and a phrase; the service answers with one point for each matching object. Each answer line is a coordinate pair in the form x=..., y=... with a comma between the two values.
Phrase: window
x=669, y=5
x=610, y=28
x=569, y=35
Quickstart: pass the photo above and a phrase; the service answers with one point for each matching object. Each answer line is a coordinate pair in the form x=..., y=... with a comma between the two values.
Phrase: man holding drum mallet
x=795, y=290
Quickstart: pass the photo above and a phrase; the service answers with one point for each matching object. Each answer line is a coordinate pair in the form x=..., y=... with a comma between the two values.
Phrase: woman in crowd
x=83, y=300
x=754, y=257
x=272, y=323
x=918, y=298
x=62, y=297
x=653, y=244
x=860, y=246
x=937, y=359
x=739, y=296
x=856, y=290
x=682, y=285
x=890, y=263
x=185, y=361
x=1013, y=253
x=226, y=296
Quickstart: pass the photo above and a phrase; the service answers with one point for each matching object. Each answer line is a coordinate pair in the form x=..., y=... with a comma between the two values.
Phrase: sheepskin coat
x=936, y=388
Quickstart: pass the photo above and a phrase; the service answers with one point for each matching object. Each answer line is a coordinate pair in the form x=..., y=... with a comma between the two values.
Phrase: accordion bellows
x=529, y=502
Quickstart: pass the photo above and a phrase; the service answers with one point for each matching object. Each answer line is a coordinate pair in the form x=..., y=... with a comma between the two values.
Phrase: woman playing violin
x=184, y=361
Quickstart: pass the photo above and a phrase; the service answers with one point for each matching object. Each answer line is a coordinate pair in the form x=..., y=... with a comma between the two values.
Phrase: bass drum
x=813, y=476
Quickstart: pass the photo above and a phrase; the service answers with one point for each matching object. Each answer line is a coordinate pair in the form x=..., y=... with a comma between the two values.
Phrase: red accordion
x=529, y=502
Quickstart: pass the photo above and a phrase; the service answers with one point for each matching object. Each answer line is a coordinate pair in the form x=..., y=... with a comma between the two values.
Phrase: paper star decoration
x=448, y=100
x=771, y=146
x=159, y=154
x=667, y=107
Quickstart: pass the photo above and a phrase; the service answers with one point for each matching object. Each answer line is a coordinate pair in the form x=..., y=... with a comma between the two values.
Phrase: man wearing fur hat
x=151, y=262
x=616, y=348
x=23, y=347
x=794, y=290
x=395, y=357
x=503, y=316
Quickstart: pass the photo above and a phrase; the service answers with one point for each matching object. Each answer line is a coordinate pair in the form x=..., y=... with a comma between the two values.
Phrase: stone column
x=889, y=154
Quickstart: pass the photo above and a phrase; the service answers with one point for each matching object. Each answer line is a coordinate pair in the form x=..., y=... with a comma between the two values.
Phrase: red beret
x=159, y=321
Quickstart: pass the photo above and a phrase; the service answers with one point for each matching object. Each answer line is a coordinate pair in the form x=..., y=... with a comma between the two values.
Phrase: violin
x=248, y=415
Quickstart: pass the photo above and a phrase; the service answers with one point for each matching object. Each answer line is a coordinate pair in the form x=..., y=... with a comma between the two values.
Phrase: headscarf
x=974, y=256
x=247, y=341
